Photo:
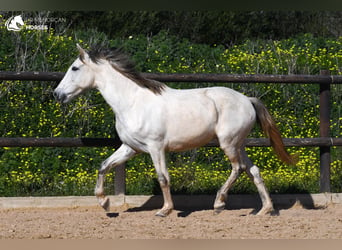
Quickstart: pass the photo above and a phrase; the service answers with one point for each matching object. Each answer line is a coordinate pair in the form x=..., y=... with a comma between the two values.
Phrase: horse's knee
x=254, y=173
x=163, y=181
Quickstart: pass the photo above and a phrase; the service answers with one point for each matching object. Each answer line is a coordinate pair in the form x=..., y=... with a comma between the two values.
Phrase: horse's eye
x=74, y=68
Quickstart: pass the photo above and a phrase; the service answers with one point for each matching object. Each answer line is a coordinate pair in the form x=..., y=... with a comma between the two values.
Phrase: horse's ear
x=83, y=53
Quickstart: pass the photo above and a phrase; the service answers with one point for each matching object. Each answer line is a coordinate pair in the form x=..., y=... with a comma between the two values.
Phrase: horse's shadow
x=112, y=215
x=187, y=204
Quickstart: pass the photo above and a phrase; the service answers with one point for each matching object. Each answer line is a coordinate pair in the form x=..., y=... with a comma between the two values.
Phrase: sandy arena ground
x=122, y=223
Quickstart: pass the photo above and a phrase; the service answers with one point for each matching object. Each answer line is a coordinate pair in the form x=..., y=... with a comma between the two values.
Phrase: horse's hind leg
x=240, y=162
x=254, y=173
x=120, y=156
x=237, y=167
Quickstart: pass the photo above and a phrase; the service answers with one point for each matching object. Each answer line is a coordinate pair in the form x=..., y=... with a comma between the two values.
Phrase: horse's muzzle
x=59, y=96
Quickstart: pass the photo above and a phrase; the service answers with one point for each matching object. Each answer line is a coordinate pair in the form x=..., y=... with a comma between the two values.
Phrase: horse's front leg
x=158, y=159
x=120, y=156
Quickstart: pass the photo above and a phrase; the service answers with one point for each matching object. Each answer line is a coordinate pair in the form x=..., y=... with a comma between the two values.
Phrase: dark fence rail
x=175, y=77
x=115, y=142
x=325, y=142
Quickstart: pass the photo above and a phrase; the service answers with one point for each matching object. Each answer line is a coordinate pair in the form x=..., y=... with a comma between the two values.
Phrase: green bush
x=28, y=110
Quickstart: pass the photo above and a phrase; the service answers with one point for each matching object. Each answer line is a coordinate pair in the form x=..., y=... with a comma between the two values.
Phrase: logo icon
x=15, y=23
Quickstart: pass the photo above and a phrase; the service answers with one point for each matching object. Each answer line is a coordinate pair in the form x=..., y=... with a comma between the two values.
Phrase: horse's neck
x=120, y=92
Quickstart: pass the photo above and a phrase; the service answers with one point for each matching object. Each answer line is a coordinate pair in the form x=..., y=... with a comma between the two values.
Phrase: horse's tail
x=270, y=129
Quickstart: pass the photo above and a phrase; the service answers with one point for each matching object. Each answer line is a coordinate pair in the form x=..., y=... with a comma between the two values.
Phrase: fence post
x=120, y=180
x=325, y=160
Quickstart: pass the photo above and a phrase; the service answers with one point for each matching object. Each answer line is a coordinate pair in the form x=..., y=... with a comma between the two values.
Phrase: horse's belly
x=177, y=144
x=189, y=133
x=191, y=121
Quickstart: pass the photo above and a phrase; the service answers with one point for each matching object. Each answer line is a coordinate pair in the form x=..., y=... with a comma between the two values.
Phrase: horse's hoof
x=219, y=206
x=105, y=204
x=266, y=210
x=163, y=212
x=159, y=214
x=218, y=210
x=220, y=203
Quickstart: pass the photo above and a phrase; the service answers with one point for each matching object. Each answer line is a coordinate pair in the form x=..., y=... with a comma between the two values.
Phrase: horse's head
x=79, y=77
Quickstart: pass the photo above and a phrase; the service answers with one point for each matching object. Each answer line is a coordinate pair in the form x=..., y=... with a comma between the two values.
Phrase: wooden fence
x=324, y=142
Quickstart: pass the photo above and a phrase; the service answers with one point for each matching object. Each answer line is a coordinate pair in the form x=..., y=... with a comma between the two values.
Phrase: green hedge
x=29, y=110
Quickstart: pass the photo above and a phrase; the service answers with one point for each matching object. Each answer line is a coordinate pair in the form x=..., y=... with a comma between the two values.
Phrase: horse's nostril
x=56, y=94
x=59, y=96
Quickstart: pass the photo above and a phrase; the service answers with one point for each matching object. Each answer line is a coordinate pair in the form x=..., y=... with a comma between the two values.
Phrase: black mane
x=122, y=63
